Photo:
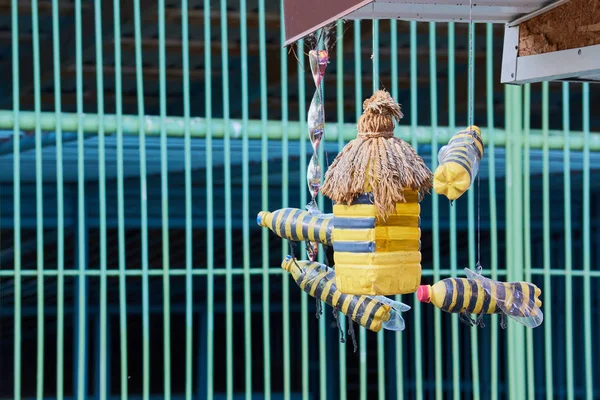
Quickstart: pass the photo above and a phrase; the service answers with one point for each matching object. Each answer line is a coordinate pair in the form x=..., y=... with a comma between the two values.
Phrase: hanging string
x=471, y=117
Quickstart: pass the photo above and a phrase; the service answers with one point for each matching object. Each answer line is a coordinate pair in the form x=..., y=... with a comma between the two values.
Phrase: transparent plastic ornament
x=312, y=250
x=316, y=120
x=313, y=176
x=318, y=64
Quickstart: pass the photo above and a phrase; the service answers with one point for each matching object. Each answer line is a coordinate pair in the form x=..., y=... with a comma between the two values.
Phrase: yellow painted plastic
x=382, y=260
x=459, y=164
x=312, y=277
x=456, y=295
x=298, y=225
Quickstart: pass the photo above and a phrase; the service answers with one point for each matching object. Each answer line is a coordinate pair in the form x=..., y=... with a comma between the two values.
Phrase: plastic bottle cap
x=259, y=218
x=423, y=294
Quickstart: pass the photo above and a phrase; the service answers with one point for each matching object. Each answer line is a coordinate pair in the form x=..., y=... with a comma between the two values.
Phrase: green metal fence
x=131, y=266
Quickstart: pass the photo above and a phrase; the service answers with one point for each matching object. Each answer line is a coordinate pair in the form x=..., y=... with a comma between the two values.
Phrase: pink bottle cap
x=423, y=294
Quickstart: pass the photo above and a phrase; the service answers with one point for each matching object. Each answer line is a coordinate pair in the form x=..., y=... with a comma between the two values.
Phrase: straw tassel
x=376, y=161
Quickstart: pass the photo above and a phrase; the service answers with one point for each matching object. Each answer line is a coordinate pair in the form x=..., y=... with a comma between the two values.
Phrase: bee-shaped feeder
x=478, y=295
x=458, y=163
x=376, y=183
x=371, y=312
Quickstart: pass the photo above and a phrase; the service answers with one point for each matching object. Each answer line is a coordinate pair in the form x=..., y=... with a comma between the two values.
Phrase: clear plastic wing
x=516, y=305
x=396, y=322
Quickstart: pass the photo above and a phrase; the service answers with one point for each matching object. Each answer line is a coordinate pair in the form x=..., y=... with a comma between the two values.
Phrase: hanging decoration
x=372, y=312
x=316, y=128
x=297, y=225
x=376, y=183
x=478, y=295
x=458, y=163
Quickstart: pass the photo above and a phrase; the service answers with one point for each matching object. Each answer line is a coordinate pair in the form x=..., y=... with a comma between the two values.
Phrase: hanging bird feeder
x=376, y=183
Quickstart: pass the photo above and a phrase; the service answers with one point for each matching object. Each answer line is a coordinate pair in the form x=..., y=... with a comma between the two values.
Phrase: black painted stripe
x=310, y=275
x=487, y=297
x=332, y=290
x=459, y=158
x=472, y=133
x=460, y=151
x=354, y=223
x=293, y=222
x=449, y=294
x=328, y=231
x=460, y=295
x=467, y=142
x=321, y=284
x=340, y=301
x=313, y=228
x=500, y=297
x=372, y=315
x=286, y=214
x=354, y=247
x=275, y=214
x=305, y=223
x=517, y=305
x=353, y=304
x=362, y=307
x=365, y=198
x=474, y=295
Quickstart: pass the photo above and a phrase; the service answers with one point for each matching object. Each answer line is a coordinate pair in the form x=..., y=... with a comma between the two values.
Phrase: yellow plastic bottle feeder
x=376, y=183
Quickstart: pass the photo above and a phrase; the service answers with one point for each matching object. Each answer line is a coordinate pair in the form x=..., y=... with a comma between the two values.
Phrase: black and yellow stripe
x=458, y=163
x=318, y=281
x=298, y=225
x=460, y=148
x=488, y=297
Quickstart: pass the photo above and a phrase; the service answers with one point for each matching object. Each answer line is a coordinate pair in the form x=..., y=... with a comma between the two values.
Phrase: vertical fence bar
x=264, y=197
x=164, y=195
x=414, y=113
x=189, y=294
x=587, y=301
x=210, y=240
x=435, y=201
x=39, y=200
x=16, y=198
x=358, y=105
x=395, y=89
x=246, y=203
x=471, y=220
x=228, y=234
x=303, y=295
x=568, y=240
x=547, y=243
x=453, y=256
x=60, y=209
x=102, y=199
x=81, y=247
x=489, y=77
x=527, y=229
x=510, y=248
x=120, y=203
x=514, y=189
x=285, y=284
x=343, y=393
x=139, y=77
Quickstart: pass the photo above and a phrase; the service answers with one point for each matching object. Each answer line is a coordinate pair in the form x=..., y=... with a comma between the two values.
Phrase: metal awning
x=303, y=17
